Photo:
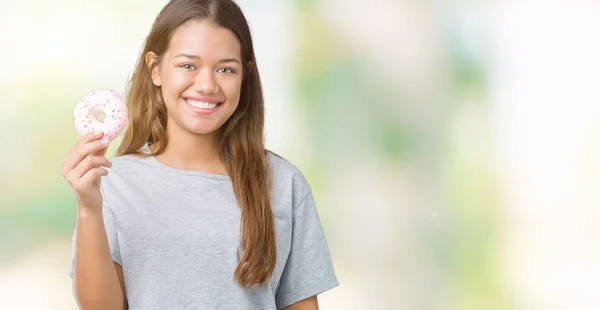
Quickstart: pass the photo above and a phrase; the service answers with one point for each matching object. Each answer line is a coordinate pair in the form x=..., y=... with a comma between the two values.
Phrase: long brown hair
x=241, y=147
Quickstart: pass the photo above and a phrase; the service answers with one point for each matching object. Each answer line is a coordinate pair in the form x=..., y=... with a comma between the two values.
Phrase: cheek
x=232, y=89
x=177, y=81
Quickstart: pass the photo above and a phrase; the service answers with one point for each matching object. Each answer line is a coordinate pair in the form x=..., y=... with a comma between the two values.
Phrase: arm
x=308, y=269
x=98, y=281
x=310, y=303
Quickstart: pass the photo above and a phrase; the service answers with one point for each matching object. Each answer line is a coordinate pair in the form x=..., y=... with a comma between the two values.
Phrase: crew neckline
x=166, y=167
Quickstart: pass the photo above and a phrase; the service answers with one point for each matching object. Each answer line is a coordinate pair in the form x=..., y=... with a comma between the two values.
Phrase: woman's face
x=200, y=77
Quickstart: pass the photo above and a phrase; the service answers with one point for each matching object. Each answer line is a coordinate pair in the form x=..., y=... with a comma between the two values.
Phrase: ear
x=250, y=66
x=151, y=62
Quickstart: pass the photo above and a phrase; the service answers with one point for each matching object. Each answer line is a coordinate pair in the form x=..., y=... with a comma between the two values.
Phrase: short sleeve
x=110, y=225
x=309, y=269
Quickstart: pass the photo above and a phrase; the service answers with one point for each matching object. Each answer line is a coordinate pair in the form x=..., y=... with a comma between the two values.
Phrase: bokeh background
x=452, y=146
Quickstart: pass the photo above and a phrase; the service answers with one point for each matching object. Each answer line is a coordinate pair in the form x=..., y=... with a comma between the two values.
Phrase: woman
x=194, y=213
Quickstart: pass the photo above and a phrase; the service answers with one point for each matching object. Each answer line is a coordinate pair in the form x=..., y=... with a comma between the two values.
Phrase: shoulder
x=287, y=177
x=282, y=169
x=129, y=163
x=132, y=162
x=127, y=171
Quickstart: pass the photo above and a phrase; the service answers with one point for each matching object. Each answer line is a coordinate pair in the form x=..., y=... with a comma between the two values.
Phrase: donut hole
x=99, y=113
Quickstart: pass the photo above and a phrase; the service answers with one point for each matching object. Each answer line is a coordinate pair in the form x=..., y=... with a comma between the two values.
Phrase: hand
x=83, y=169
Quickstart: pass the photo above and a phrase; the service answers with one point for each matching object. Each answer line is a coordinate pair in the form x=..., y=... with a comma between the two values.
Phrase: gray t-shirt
x=177, y=235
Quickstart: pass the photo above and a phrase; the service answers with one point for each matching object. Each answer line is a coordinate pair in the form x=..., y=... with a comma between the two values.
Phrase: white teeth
x=201, y=105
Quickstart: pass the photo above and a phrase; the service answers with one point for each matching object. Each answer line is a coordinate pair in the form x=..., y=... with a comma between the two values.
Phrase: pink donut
x=103, y=110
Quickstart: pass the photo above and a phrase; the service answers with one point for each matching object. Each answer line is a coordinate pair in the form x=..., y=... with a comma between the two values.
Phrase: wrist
x=84, y=212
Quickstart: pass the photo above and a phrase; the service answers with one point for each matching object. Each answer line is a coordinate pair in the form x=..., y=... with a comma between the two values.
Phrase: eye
x=226, y=71
x=188, y=66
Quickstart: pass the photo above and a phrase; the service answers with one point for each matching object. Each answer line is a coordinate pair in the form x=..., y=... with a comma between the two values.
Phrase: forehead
x=205, y=39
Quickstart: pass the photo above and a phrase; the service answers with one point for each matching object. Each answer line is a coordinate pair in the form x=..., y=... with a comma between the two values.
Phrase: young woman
x=194, y=213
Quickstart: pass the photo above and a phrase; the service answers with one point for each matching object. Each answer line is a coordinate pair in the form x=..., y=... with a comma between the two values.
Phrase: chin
x=201, y=130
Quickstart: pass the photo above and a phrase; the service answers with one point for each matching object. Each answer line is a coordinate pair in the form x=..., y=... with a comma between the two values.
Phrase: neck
x=193, y=152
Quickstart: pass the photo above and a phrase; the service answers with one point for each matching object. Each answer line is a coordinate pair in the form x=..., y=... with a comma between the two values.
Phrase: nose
x=205, y=82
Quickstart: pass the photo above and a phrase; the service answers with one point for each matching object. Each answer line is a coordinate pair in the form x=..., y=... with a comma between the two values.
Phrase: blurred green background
x=452, y=145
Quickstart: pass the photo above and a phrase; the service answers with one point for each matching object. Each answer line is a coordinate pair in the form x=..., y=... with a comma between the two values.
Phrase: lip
x=199, y=111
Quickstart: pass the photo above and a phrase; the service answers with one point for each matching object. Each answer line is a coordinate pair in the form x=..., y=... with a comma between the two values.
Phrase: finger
x=89, y=163
x=73, y=176
x=82, y=151
x=89, y=137
x=86, y=181
x=103, y=151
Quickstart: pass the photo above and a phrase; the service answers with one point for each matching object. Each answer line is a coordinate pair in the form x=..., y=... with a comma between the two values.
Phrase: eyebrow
x=198, y=57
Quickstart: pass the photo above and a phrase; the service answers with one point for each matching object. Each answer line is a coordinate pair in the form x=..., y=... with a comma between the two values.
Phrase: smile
x=201, y=104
